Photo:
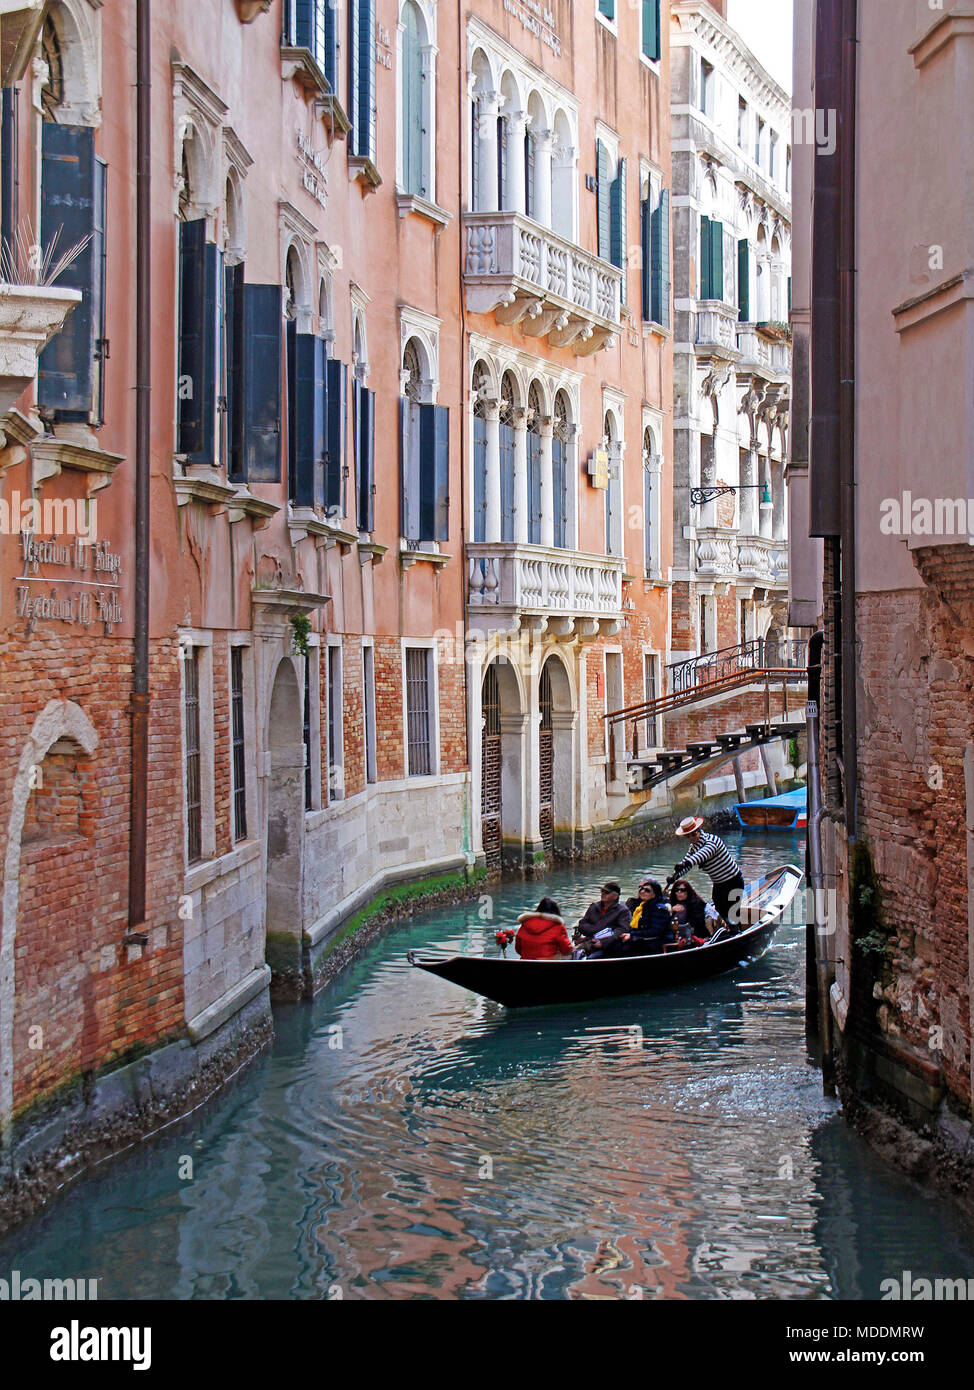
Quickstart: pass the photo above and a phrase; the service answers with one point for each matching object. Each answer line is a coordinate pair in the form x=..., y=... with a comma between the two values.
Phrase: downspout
x=818, y=935
x=138, y=806
x=468, y=808
x=847, y=407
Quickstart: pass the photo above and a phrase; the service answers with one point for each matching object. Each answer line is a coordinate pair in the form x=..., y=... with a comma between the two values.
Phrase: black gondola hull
x=520, y=984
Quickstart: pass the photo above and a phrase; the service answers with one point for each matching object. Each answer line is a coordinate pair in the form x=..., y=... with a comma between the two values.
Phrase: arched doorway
x=555, y=754
x=285, y=826
x=502, y=783
x=491, y=803
x=546, y=772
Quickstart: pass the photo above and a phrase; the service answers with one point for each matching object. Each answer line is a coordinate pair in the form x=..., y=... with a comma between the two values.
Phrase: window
x=232, y=360
x=9, y=178
x=260, y=386
x=502, y=163
x=529, y=201
x=613, y=493
x=306, y=732
x=711, y=259
x=652, y=506
x=194, y=780
x=361, y=78
x=788, y=169
x=506, y=430
x=611, y=202
x=744, y=280
x=363, y=429
x=651, y=30
x=741, y=123
x=239, y=752
x=772, y=155
x=535, y=413
x=561, y=437
x=655, y=215
x=414, y=179
x=336, y=746
x=607, y=8
x=424, y=453
x=419, y=712
x=480, y=382
x=307, y=405
x=312, y=24
x=706, y=87
x=651, y=691
x=73, y=203
x=759, y=142
x=368, y=686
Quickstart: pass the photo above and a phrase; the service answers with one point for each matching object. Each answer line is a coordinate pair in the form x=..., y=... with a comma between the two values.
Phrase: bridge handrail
x=757, y=653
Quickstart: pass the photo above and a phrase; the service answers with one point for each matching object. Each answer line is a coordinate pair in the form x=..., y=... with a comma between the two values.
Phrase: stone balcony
x=526, y=274
x=30, y=315
x=761, y=354
x=715, y=330
x=725, y=557
x=534, y=588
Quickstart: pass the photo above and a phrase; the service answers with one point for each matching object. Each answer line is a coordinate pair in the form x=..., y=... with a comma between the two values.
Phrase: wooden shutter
x=479, y=478
x=706, y=260
x=309, y=420
x=233, y=302
x=197, y=342
x=501, y=162
x=434, y=473
x=717, y=259
x=99, y=245
x=9, y=180
x=474, y=156
x=619, y=245
x=534, y=487
x=365, y=457
x=506, y=437
x=603, y=200
x=743, y=281
x=404, y=481
x=262, y=383
x=68, y=212
x=665, y=285
x=361, y=18
x=559, y=478
x=329, y=62
x=529, y=173
x=651, y=29
x=336, y=376
x=646, y=251
x=412, y=104
x=353, y=76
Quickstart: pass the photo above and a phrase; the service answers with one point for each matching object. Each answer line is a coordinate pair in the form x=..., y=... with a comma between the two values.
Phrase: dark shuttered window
x=479, y=478
x=618, y=248
x=711, y=259
x=603, y=197
x=233, y=359
x=363, y=411
x=307, y=420
x=196, y=384
x=336, y=378
x=651, y=29
x=660, y=261
x=419, y=712
x=425, y=471
x=191, y=721
x=310, y=24
x=262, y=383
x=744, y=281
x=414, y=180
x=73, y=194
x=239, y=744
x=534, y=487
x=9, y=178
x=361, y=77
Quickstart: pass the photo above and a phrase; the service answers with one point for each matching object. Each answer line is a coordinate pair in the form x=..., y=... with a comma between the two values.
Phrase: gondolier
x=709, y=852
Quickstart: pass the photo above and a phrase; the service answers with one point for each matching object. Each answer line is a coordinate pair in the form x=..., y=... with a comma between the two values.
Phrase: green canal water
x=407, y=1140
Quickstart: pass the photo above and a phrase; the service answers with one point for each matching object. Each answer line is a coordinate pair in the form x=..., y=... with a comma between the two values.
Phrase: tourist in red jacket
x=542, y=934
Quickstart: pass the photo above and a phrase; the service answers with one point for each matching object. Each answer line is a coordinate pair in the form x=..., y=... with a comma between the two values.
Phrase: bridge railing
x=759, y=654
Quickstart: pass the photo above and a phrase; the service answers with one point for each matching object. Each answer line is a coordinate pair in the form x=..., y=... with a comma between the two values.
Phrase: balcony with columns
x=532, y=588
x=764, y=355
x=715, y=330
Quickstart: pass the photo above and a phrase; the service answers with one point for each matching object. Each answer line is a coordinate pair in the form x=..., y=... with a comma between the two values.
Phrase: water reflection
x=408, y=1140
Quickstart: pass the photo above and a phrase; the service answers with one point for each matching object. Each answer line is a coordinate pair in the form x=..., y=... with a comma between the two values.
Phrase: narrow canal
x=408, y=1140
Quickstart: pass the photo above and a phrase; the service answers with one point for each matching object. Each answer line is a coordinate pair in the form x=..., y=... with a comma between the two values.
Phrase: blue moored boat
x=786, y=812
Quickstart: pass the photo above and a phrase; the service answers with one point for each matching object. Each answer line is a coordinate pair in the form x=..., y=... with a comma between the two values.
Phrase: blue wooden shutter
x=404, y=480
x=646, y=251
x=68, y=212
x=365, y=456
x=529, y=173
x=474, y=157
x=309, y=420
x=336, y=378
x=262, y=383
x=353, y=75
x=9, y=145
x=661, y=260
x=479, y=478
x=534, y=487
x=233, y=300
x=506, y=434
x=706, y=259
x=98, y=292
x=361, y=77
x=602, y=199
x=651, y=29
x=412, y=104
x=717, y=260
x=434, y=473
x=329, y=62
x=501, y=162
x=197, y=343
x=743, y=281
x=559, y=476
x=619, y=245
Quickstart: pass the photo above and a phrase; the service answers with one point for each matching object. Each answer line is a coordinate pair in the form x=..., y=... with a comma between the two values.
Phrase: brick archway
x=59, y=719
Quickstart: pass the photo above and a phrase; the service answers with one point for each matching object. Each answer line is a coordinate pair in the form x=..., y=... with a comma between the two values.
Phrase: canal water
x=405, y=1139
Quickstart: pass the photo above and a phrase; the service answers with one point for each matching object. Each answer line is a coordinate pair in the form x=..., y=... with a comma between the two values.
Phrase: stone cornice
x=934, y=301
x=187, y=83
x=958, y=24
x=695, y=16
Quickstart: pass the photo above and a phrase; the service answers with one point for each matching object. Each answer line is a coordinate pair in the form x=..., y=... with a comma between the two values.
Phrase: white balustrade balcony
x=716, y=329
x=761, y=354
x=724, y=556
x=527, y=274
x=537, y=588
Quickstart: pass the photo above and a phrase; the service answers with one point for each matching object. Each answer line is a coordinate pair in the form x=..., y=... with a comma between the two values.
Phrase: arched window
x=652, y=505
x=413, y=172
x=535, y=415
x=480, y=383
x=231, y=388
x=424, y=449
x=509, y=402
x=52, y=92
x=561, y=438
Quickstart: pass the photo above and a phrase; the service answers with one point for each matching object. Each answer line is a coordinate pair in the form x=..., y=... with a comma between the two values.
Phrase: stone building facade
x=888, y=416
x=732, y=366
x=408, y=457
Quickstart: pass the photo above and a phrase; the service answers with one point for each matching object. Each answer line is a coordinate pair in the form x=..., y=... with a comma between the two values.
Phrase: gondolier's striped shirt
x=714, y=856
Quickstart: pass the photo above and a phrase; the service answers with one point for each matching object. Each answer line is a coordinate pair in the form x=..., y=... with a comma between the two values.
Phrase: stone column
x=492, y=521
x=521, y=494
x=546, y=427
x=516, y=122
x=542, y=176
x=487, y=109
x=767, y=508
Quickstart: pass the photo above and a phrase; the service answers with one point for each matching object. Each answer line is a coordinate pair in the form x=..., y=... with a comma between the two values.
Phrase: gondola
x=521, y=984
x=787, y=812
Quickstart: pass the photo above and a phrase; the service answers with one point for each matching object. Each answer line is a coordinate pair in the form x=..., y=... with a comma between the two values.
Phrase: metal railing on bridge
x=760, y=654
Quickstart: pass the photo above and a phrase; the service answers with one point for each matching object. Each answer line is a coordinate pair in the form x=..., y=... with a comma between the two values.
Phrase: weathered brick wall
x=727, y=622
x=684, y=635
x=916, y=670
x=388, y=709
x=353, y=711
x=731, y=714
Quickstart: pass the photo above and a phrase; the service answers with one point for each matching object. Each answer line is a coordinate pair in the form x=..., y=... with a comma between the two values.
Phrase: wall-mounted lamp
x=700, y=495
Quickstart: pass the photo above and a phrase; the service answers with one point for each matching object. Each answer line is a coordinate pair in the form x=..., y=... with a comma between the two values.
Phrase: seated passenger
x=651, y=928
x=541, y=934
x=607, y=919
x=689, y=914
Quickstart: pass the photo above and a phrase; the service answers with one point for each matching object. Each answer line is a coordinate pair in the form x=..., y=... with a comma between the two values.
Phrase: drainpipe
x=138, y=806
x=847, y=392
x=817, y=934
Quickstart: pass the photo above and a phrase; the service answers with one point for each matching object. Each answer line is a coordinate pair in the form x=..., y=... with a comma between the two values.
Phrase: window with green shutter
x=711, y=259
x=660, y=251
x=603, y=195
x=412, y=103
x=744, y=281
x=608, y=8
x=617, y=201
x=651, y=30
x=361, y=77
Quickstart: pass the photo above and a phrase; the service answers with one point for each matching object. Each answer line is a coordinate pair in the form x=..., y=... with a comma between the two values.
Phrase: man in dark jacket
x=608, y=914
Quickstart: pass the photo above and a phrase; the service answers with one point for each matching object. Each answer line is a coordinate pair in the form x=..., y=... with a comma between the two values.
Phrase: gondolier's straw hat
x=689, y=825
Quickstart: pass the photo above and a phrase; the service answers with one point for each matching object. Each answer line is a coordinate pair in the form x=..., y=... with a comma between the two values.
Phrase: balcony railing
x=725, y=556
x=538, y=581
x=759, y=654
x=716, y=326
x=527, y=274
x=761, y=353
